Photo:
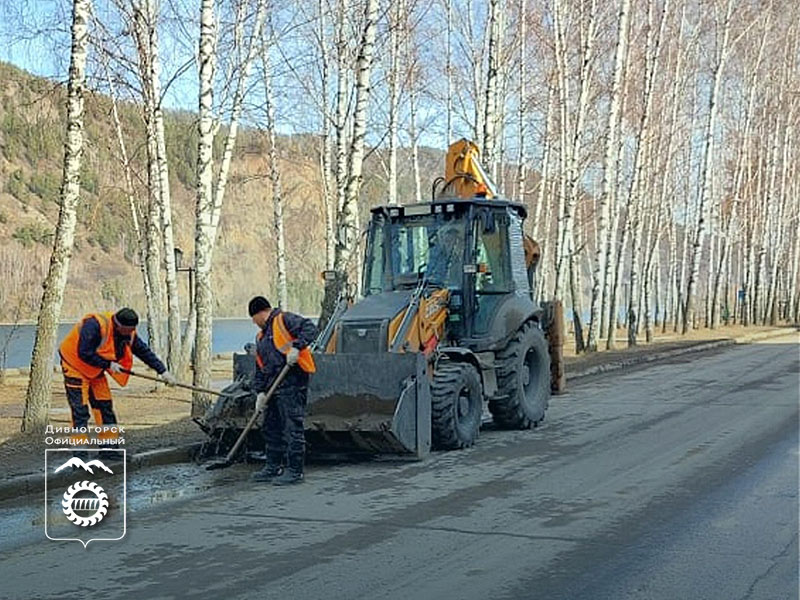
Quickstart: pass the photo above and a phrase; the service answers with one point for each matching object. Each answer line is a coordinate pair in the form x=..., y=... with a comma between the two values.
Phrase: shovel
x=176, y=384
x=228, y=460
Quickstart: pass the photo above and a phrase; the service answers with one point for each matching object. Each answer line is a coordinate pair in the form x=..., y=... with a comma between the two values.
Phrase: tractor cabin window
x=492, y=259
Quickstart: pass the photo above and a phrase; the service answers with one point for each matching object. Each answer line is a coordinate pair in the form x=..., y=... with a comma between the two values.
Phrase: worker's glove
x=168, y=378
x=261, y=401
x=292, y=356
x=115, y=367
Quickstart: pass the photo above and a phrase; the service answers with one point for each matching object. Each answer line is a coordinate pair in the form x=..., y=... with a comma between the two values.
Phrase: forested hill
x=104, y=271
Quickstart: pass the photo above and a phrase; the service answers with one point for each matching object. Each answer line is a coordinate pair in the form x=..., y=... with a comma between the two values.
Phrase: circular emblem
x=85, y=503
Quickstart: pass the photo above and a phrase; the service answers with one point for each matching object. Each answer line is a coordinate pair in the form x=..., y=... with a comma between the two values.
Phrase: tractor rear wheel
x=523, y=380
x=456, y=405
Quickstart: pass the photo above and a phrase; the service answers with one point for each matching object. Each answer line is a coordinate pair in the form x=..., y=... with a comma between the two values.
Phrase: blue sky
x=36, y=39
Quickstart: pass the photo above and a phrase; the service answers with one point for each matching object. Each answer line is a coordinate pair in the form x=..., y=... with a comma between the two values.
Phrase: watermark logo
x=85, y=496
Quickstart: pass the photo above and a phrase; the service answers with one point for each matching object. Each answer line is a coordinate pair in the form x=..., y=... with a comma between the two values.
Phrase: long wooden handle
x=177, y=384
x=256, y=413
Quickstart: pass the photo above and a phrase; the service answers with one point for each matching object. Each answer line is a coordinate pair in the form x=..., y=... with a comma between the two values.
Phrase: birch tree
x=326, y=153
x=145, y=27
x=204, y=205
x=347, y=218
x=643, y=147
x=739, y=176
x=490, y=104
x=395, y=20
x=603, y=249
x=275, y=178
x=210, y=194
x=706, y=174
x=413, y=82
x=37, y=397
x=448, y=135
x=522, y=171
x=129, y=187
x=572, y=155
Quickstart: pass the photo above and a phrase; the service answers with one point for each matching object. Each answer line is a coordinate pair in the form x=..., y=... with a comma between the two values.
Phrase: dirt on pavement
x=152, y=415
x=155, y=416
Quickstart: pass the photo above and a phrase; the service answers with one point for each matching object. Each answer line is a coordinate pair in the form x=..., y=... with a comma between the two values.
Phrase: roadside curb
x=657, y=356
x=34, y=484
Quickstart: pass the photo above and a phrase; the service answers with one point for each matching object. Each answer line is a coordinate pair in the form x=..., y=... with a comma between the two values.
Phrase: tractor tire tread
x=507, y=407
x=445, y=388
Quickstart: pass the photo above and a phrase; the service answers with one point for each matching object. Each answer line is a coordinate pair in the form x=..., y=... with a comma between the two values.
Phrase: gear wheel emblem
x=94, y=504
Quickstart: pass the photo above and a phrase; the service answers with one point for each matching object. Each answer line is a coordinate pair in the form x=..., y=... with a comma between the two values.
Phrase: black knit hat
x=127, y=317
x=258, y=304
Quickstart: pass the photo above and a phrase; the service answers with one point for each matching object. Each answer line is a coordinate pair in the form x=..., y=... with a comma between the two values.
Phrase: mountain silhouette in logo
x=77, y=462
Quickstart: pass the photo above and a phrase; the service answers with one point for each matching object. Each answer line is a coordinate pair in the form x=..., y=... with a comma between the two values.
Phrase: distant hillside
x=103, y=272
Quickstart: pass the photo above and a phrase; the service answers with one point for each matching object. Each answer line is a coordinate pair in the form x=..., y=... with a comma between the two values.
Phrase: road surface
x=677, y=480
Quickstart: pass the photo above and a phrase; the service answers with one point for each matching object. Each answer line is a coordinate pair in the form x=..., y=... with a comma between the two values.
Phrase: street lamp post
x=188, y=269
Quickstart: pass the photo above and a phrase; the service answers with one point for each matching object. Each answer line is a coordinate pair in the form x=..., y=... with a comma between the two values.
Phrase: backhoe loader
x=447, y=335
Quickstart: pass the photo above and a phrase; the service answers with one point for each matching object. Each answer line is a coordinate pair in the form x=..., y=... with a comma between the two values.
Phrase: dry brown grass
x=731, y=331
x=141, y=404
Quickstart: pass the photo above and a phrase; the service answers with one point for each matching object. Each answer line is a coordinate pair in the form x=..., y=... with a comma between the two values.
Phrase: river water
x=228, y=335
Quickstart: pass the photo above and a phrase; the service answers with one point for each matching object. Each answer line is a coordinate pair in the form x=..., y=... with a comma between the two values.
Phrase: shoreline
x=183, y=320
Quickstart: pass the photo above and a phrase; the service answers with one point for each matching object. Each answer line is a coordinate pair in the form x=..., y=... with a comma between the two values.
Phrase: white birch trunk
x=164, y=198
x=412, y=133
x=236, y=112
x=561, y=249
x=328, y=198
x=204, y=208
x=275, y=178
x=129, y=189
x=779, y=199
x=490, y=105
x=449, y=74
x=794, y=292
x=636, y=205
x=37, y=397
x=731, y=222
x=603, y=249
x=142, y=27
x=706, y=173
x=348, y=230
x=207, y=224
x=341, y=115
x=617, y=239
x=538, y=225
x=155, y=304
x=413, y=95
x=394, y=95
x=522, y=163
x=672, y=266
x=670, y=300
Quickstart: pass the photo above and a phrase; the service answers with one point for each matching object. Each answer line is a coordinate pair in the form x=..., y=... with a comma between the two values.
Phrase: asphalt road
x=674, y=481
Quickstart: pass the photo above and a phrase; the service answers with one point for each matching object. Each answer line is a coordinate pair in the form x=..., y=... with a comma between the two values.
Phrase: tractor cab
x=472, y=248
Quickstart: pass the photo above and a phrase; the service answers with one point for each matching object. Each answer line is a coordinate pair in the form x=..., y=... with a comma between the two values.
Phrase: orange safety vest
x=69, y=349
x=283, y=342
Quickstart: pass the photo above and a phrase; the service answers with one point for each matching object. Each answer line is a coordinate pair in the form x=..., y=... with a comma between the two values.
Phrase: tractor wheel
x=456, y=405
x=523, y=380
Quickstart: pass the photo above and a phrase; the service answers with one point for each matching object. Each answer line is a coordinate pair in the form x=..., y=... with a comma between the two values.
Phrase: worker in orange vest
x=102, y=343
x=283, y=338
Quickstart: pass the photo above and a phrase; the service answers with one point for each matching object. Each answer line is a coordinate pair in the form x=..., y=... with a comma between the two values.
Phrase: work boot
x=267, y=474
x=289, y=477
x=271, y=470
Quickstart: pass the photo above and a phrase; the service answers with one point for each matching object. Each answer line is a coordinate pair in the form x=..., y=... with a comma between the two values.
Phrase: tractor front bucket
x=369, y=404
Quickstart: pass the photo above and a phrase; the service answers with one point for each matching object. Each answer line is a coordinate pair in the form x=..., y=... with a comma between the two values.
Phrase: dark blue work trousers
x=283, y=427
